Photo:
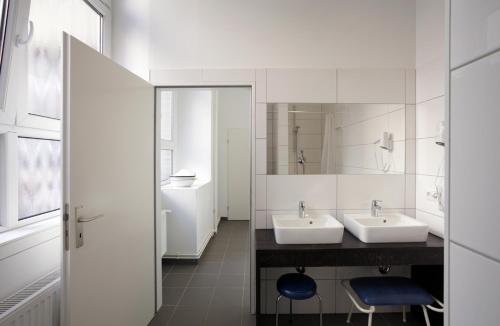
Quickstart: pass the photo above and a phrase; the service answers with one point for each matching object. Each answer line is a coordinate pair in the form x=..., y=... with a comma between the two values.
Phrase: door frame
x=251, y=83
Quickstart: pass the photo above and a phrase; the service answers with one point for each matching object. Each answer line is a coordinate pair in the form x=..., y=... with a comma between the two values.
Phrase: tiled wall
x=357, y=127
x=428, y=173
x=334, y=194
x=474, y=178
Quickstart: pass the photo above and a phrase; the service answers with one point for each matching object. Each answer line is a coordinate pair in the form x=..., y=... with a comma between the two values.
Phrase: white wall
x=474, y=160
x=430, y=108
x=130, y=35
x=282, y=33
x=193, y=140
x=234, y=108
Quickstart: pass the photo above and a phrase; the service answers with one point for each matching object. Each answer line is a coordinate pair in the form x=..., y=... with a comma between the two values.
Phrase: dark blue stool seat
x=296, y=286
x=392, y=291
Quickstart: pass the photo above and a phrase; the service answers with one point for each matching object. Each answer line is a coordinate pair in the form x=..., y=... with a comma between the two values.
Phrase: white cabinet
x=301, y=86
x=371, y=86
x=190, y=223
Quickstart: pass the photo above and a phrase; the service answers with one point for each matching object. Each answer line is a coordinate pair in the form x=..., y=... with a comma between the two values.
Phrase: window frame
x=18, y=123
x=29, y=120
x=9, y=172
x=7, y=113
x=164, y=143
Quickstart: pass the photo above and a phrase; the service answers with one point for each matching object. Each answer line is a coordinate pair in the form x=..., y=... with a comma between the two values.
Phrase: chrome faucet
x=376, y=208
x=302, y=209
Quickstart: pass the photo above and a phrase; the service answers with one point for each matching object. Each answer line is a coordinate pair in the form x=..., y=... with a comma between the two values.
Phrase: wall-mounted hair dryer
x=441, y=134
x=386, y=141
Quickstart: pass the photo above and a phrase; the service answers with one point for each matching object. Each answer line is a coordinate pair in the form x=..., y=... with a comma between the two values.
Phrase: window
x=87, y=25
x=39, y=176
x=44, y=50
x=166, y=165
x=6, y=30
x=166, y=100
x=30, y=150
x=166, y=115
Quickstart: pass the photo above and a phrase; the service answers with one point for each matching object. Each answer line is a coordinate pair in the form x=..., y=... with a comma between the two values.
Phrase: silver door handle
x=79, y=225
x=89, y=219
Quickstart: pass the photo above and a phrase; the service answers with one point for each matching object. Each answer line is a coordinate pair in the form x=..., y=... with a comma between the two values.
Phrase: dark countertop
x=351, y=252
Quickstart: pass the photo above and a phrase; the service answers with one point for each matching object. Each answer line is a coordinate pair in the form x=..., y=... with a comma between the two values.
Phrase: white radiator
x=35, y=305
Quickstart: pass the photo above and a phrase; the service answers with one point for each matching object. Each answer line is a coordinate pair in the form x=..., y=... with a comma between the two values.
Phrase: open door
x=108, y=174
x=238, y=173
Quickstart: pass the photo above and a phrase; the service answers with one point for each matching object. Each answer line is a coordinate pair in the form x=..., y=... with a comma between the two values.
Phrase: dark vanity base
x=351, y=252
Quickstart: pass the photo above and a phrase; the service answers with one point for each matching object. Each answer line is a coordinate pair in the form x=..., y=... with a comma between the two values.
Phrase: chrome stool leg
x=427, y=322
x=291, y=312
x=370, y=317
x=350, y=313
x=404, y=314
x=320, y=309
x=277, y=312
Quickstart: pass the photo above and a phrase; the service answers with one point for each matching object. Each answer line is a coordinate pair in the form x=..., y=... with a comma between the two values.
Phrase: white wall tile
x=410, y=117
x=260, y=220
x=261, y=156
x=410, y=153
x=229, y=75
x=301, y=86
x=429, y=157
x=474, y=155
x=430, y=80
x=474, y=30
x=436, y=223
x=474, y=284
x=428, y=116
x=410, y=191
x=371, y=86
x=285, y=191
x=410, y=86
x=357, y=191
x=261, y=120
x=261, y=86
x=424, y=202
x=260, y=192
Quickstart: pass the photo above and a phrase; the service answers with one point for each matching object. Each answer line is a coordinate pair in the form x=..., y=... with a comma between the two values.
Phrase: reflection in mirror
x=335, y=138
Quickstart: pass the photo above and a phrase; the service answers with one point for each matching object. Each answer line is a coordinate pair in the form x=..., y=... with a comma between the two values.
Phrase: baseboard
x=194, y=256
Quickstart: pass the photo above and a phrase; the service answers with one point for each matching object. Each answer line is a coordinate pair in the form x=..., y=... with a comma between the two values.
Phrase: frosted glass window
x=39, y=164
x=50, y=18
x=45, y=58
x=166, y=114
x=166, y=164
x=86, y=24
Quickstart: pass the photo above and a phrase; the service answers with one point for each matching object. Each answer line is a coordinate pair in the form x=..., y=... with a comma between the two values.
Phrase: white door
x=238, y=174
x=108, y=174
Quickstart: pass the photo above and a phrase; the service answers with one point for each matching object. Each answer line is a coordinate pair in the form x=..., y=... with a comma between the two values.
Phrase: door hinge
x=66, y=226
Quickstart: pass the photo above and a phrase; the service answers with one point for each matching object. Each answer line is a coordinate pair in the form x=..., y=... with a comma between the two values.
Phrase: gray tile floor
x=215, y=291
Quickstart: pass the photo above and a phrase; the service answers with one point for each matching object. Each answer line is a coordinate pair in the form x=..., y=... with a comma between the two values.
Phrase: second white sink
x=312, y=229
x=386, y=228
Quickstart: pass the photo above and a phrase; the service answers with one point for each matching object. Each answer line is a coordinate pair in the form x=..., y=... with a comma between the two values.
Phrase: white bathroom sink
x=386, y=228
x=321, y=228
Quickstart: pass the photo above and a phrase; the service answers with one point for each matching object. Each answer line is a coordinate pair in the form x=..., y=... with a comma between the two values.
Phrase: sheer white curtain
x=329, y=143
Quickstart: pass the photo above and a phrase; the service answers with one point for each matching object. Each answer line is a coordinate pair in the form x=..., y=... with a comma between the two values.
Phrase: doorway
x=208, y=283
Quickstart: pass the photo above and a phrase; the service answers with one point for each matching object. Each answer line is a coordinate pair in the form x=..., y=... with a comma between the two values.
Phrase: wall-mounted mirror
x=335, y=138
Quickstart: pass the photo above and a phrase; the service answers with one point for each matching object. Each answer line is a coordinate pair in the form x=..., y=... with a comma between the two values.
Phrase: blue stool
x=388, y=291
x=297, y=286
